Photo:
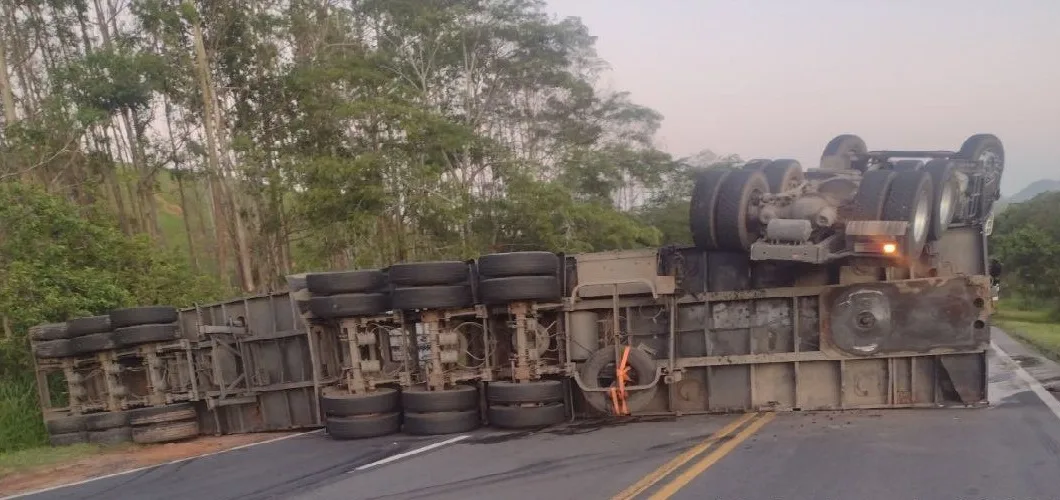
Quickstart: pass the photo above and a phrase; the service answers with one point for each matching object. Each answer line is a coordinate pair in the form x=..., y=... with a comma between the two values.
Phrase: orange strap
x=618, y=394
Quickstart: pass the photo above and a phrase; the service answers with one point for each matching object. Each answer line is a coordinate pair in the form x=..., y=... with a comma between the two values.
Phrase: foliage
x=1026, y=239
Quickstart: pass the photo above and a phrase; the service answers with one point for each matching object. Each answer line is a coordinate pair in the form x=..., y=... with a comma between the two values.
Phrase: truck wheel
x=68, y=424
x=538, y=391
x=85, y=326
x=111, y=436
x=447, y=422
x=458, y=398
x=909, y=199
x=594, y=369
x=162, y=414
x=95, y=422
x=904, y=165
x=152, y=315
x=47, y=331
x=756, y=164
x=432, y=297
x=704, y=205
x=946, y=196
x=504, y=265
x=524, y=417
x=93, y=343
x=337, y=402
x=363, y=426
x=736, y=220
x=986, y=148
x=783, y=175
x=872, y=193
x=165, y=432
x=518, y=288
x=349, y=305
x=840, y=152
x=68, y=439
x=423, y=274
x=146, y=334
x=51, y=349
x=343, y=282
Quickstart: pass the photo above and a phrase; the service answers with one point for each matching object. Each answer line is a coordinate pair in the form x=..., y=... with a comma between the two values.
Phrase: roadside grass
x=20, y=419
x=1032, y=324
x=41, y=456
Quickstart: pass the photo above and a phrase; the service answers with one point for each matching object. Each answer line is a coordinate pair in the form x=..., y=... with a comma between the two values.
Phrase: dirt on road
x=120, y=458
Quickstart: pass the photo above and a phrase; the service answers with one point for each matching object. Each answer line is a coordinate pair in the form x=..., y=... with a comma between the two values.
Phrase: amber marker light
x=890, y=248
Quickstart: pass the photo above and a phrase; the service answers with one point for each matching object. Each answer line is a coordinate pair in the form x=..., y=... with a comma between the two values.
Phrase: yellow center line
x=696, y=469
x=658, y=474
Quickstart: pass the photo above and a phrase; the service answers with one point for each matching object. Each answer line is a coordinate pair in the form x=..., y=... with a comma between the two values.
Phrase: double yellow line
x=757, y=420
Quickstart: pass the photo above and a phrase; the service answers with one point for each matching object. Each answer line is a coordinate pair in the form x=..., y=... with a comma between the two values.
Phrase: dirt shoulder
x=32, y=470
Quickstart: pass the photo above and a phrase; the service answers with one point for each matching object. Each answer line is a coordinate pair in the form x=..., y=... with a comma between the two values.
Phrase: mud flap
x=964, y=376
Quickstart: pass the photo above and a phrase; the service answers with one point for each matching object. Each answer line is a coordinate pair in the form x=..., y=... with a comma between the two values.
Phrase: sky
x=779, y=79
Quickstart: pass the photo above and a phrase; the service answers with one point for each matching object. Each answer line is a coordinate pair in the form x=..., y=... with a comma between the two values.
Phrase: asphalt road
x=1010, y=450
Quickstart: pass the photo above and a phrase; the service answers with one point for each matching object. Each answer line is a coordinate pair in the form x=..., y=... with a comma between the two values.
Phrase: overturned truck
x=863, y=283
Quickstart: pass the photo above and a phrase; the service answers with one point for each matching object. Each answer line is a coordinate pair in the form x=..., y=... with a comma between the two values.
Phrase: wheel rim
x=921, y=217
x=946, y=204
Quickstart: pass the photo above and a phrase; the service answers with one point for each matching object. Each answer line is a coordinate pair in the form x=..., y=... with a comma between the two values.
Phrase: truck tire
x=162, y=414
x=838, y=153
x=909, y=199
x=424, y=274
x=504, y=265
x=946, y=195
x=447, y=422
x=519, y=288
x=643, y=366
x=95, y=422
x=92, y=343
x=525, y=417
x=704, y=205
x=350, y=305
x=904, y=165
x=51, y=349
x=538, y=391
x=432, y=297
x=983, y=147
x=736, y=230
x=116, y=435
x=336, y=402
x=88, y=325
x=783, y=175
x=48, y=331
x=150, y=315
x=363, y=426
x=343, y=282
x=146, y=334
x=68, y=439
x=458, y=398
x=65, y=425
x=756, y=164
x=871, y=195
x=165, y=432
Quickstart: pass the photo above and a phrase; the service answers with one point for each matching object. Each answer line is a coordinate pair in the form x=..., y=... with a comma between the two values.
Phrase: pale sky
x=778, y=79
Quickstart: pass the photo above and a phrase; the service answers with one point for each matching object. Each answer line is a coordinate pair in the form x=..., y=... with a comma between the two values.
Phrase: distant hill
x=1033, y=189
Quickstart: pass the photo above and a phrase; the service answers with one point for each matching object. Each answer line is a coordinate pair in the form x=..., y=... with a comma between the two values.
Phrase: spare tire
x=643, y=366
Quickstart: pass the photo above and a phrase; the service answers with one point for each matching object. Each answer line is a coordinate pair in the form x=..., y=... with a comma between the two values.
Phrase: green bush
x=58, y=261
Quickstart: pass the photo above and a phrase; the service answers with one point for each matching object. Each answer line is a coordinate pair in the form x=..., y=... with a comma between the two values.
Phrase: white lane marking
x=1035, y=386
x=139, y=469
x=410, y=453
